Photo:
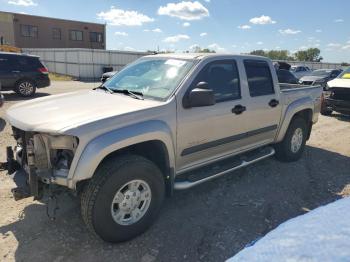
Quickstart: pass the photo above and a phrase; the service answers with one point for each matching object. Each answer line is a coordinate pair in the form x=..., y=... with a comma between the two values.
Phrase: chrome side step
x=181, y=185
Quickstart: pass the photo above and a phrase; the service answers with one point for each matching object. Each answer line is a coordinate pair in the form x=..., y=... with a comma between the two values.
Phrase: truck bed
x=291, y=93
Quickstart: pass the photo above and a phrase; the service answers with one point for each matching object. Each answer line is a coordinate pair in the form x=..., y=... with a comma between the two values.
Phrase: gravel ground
x=211, y=222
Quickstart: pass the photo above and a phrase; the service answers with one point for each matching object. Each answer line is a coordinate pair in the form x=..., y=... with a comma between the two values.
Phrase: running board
x=204, y=174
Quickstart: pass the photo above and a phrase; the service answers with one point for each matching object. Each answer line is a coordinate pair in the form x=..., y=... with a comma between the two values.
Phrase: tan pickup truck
x=164, y=122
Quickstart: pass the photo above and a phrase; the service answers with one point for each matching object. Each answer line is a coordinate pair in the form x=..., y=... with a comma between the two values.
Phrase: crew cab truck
x=164, y=122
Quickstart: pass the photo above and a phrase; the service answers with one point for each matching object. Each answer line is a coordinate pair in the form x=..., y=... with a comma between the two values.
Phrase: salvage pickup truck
x=337, y=95
x=164, y=122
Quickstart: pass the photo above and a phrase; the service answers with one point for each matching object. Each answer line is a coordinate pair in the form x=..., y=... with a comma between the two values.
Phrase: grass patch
x=59, y=77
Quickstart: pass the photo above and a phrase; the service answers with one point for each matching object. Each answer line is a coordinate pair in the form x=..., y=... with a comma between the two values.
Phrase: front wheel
x=123, y=198
x=292, y=146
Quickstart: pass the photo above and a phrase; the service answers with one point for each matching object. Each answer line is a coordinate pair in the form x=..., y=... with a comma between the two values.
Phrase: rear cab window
x=259, y=78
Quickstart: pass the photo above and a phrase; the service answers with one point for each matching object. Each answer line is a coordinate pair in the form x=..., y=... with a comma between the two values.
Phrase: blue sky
x=224, y=25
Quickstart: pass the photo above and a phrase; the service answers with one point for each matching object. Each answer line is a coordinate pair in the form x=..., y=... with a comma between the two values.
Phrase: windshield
x=153, y=77
x=345, y=74
x=321, y=72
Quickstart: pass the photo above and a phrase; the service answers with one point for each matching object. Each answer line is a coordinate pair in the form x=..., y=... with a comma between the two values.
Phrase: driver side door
x=208, y=132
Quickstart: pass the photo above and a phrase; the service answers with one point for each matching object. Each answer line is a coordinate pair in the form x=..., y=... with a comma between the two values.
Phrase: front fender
x=98, y=148
x=293, y=108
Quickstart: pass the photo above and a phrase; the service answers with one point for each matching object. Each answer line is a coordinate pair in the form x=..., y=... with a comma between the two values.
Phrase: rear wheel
x=25, y=88
x=292, y=146
x=123, y=198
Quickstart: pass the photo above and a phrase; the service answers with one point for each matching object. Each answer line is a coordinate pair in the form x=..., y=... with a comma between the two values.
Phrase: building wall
x=45, y=38
x=6, y=28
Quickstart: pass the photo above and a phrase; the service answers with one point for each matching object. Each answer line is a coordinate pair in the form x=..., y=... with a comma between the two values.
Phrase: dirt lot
x=211, y=222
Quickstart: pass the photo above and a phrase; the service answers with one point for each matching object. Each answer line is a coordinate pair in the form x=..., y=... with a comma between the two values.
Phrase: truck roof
x=199, y=56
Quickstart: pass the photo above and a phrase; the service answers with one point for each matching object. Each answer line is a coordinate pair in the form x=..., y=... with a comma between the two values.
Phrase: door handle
x=15, y=71
x=238, y=109
x=274, y=103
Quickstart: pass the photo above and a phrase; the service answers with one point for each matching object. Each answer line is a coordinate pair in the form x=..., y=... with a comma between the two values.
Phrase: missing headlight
x=54, y=151
x=63, y=159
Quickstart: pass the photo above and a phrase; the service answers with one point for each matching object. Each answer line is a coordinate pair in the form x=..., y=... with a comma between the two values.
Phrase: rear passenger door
x=263, y=105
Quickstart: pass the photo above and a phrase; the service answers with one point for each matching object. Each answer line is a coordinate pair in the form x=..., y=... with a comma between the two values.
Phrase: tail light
x=43, y=70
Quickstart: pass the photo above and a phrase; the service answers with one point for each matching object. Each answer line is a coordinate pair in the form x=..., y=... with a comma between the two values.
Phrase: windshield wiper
x=104, y=88
x=134, y=94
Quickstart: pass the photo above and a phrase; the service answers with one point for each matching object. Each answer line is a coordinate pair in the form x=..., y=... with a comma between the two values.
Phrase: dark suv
x=22, y=73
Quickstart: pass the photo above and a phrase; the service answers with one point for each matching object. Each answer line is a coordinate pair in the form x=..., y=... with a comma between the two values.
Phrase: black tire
x=97, y=197
x=25, y=88
x=326, y=112
x=283, y=149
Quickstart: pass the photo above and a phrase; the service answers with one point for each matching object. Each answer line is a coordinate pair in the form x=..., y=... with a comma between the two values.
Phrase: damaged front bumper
x=25, y=178
x=29, y=182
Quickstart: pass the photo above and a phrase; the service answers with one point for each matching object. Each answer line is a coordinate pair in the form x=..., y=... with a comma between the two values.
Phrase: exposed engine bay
x=39, y=159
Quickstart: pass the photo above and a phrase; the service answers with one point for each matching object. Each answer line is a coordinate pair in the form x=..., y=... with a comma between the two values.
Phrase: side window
x=76, y=35
x=222, y=77
x=24, y=63
x=259, y=78
x=56, y=33
x=4, y=62
x=29, y=31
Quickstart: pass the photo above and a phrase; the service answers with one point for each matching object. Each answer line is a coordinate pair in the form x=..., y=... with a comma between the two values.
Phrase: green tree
x=310, y=55
x=273, y=54
x=259, y=53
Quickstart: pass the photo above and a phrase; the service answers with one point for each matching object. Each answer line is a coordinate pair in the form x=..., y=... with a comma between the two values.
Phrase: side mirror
x=201, y=96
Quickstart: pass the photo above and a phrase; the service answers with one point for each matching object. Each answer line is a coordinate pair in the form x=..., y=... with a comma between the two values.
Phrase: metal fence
x=84, y=64
x=316, y=65
x=88, y=64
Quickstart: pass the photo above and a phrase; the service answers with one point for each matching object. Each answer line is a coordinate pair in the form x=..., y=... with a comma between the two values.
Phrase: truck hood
x=339, y=82
x=313, y=78
x=53, y=114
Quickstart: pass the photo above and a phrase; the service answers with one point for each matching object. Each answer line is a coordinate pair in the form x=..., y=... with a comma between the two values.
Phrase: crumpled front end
x=39, y=160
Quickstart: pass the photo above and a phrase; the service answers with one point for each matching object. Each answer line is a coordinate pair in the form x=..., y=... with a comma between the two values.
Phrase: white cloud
x=334, y=45
x=22, y=2
x=346, y=47
x=184, y=10
x=217, y=48
x=120, y=17
x=128, y=48
x=244, y=27
x=289, y=31
x=203, y=34
x=303, y=48
x=262, y=20
x=208, y=1
x=176, y=38
x=186, y=24
x=259, y=43
x=155, y=30
x=318, y=31
x=338, y=20
x=121, y=33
